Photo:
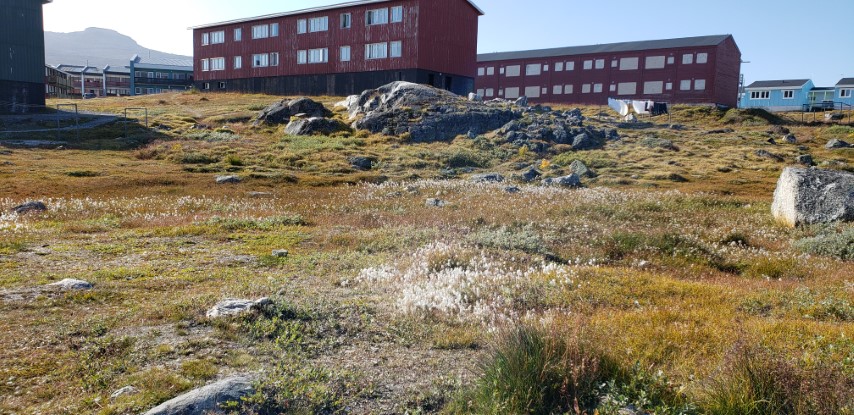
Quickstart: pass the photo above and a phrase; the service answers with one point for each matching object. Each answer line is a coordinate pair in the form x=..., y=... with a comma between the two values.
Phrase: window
x=614, y=63
x=501, y=71
x=511, y=93
x=500, y=92
x=668, y=86
x=139, y=90
x=346, y=21
x=261, y=60
x=597, y=88
x=845, y=93
x=206, y=65
x=302, y=26
x=533, y=69
x=513, y=70
x=653, y=87
x=570, y=66
x=613, y=88
x=490, y=71
x=480, y=92
x=790, y=94
x=557, y=89
x=687, y=58
x=627, y=88
x=481, y=71
x=585, y=89
x=654, y=62
x=685, y=85
x=396, y=49
x=702, y=57
x=302, y=57
x=588, y=64
x=238, y=62
x=206, y=39
x=238, y=34
x=378, y=16
x=671, y=60
x=274, y=59
x=217, y=37
x=600, y=63
x=320, y=55
x=490, y=92
x=217, y=64
x=397, y=14
x=700, y=85
x=345, y=54
x=545, y=91
x=376, y=50
x=567, y=89
x=628, y=64
x=261, y=31
x=760, y=94
x=559, y=67
x=318, y=24
x=274, y=29
x=222, y=85
x=545, y=68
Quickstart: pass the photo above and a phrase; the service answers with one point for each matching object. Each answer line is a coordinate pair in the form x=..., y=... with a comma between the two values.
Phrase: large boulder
x=579, y=168
x=807, y=196
x=70, y=284
x=207, y=399
x=231, y=307
x=837, y=143
x=29, y=207
x=566, y=181
x=315, y=126
x=282, y=111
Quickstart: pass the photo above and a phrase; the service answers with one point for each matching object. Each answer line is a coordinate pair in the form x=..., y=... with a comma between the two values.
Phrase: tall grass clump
x=836, y=245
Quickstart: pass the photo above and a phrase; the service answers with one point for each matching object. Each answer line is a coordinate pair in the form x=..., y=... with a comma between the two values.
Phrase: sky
x=781, y=39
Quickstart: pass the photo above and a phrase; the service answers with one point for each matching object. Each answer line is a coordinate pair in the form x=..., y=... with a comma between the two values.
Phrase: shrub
x=198, y=158
x=463, y=158
x=836, y=245
x=522, y=239
x=82, y=173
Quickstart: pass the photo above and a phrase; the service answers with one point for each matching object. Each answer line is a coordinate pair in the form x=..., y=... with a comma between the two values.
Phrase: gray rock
x=475, y=97
x=282, y=111
x=530, y=175
x=512, y=189
x=566, y=181
x=579, y=168
x=791, y=139
x=315, y=126
x=125, y=391
x=631, y=118
x=778, y=130
x=280, y=253
x=362, y=163
x=260, y=195
x=837, y=143
x=71, y=284
x=769, y=155
x=227, y=180
x=433, y=202
x=230, y=307
x=772, y=141
x=487, y=178
x=584, y=141
x=29, y=207
x=207, y=399
x=521, y=101
x=808, y=196
x=806, y=160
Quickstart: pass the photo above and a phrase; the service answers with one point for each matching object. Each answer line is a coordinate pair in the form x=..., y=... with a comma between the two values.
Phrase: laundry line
x=641, y=107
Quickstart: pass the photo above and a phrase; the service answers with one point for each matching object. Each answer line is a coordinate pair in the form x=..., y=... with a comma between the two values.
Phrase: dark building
x=156, y=76
x=342, y=49
x=22, y=68
x=57, y=84
x=694, y=70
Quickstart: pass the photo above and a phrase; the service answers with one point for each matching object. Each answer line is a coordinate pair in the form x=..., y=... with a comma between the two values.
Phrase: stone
x=566, y=181
x=71, y=284
x=791, y=139
x=487, y=178
x=772, y=141
x=778, y=130
x=721, y=131
x=512, y=189
x=530, y=175
x=475, y=97
x=260, y=195
x=433, y=202
x=837, y=143
x=631, y=118
x=521, y=101
x=125, y=391
x=231, y=306
x=282, y=111
x=769, y=155
x=207, y=399
x=227, y=180
x=579, y=168
x=806, y=160
x=807, y=196
x=584, y=141
x=280, y=253
x=315, y=126
x=29, y=207
x=362, y=163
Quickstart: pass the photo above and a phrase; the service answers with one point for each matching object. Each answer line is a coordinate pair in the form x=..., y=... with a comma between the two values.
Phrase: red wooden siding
x=448, y=37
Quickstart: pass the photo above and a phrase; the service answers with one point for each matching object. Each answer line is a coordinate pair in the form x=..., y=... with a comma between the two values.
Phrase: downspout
x=104, y=80
x=132, y=76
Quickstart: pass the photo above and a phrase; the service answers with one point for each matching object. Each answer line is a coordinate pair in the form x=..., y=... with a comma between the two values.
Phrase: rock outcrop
x=282, y=111
x=230, y=307
x=207, y=399
x=70, y=284
x=315, y=126
x=29, y=207
x=807, y=196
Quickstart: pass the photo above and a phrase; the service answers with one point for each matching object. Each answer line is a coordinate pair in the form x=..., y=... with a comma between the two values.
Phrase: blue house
x=845, y=92
x=778, y=96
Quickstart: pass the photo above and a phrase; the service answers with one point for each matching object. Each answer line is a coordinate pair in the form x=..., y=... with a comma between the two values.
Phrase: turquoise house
x=778, y=96
x=845, y=92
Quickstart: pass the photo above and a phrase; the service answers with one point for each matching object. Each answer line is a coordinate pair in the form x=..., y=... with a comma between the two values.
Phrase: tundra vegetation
x=662, y=287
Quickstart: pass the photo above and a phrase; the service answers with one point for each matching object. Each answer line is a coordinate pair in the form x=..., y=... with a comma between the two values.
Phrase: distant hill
x=100, y=47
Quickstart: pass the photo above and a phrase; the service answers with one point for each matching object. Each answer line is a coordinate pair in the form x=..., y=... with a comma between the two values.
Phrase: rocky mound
x=282, y=111
x=808, y=196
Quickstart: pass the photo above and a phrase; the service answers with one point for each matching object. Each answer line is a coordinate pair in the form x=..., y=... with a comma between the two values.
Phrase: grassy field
x=665, y=285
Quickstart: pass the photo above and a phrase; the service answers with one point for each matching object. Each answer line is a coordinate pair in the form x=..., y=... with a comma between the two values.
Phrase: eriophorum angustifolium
x=11, y=222
x=458, y=283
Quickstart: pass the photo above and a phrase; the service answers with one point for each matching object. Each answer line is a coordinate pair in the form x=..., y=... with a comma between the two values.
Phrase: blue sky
x=782, y=39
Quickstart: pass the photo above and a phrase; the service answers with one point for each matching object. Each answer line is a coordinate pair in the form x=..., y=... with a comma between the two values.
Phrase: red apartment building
x=694, y=70
x=342, y=49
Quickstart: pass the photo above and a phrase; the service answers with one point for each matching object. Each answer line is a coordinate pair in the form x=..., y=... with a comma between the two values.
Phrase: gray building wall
x=22, y=73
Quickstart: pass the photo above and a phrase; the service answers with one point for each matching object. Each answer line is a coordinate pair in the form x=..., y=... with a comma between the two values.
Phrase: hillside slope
x=97, y=47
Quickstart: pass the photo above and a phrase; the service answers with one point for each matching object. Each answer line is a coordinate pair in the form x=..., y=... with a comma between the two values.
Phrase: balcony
x=160, y=81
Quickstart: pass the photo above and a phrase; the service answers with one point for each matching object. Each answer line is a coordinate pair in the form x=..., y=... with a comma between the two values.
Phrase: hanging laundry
x=614, y=104
x=624, y=108
x=640, y=107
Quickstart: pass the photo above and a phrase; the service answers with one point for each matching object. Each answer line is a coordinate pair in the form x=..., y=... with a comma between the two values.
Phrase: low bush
x=835, y=245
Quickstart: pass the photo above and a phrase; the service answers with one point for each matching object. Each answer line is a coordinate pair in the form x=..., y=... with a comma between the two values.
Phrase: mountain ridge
x=98, y=47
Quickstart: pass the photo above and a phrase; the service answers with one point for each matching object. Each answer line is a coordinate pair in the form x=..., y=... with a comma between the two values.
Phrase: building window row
x=213, y=38
x=623, y=64
x=760, y=94
x=789, y=94
x=383, y=50
x=313, y=56
x=265, y=31
x=263, y=60
x=623, y=89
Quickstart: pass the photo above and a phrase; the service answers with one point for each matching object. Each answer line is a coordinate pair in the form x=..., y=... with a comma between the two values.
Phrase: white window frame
x=629, y=64
x=318, y=24
x=653, y=87
x=671, y=60
x=217, y=64
x=586, y=88
x=570, y=66
x=533, y=69
x=568, y=89
x=396, y=14
x=627, y=88
x=490, y=70
x=615, y=63
x=559, y=67
x=218, y=37
x=789, y=94
x=260, y=31
x=318, y=55
x=395, y=49
x=613, y=88
x=597, y=88
x=344, y=53
x=206, y=65
x=688, y=59
x=512, y=71
x=655, y=62
x=238, y=62
x=376, y=17
x=557, y=89
x=685, y=85
x=600, y=63
x=274, y=29
x=490, y=92
x=760, y=94
x=702, y=58
x=845, y=92
x=376, y=51
x=302, y=57
x=511, y=92
x=346, y=20
x=206, y=39
x=274, y=59
x=481, y=71
x=260, y=60
x=699, y=84
x=480, y=92
x=238, y=34
x=302, y=26
x=668, y=86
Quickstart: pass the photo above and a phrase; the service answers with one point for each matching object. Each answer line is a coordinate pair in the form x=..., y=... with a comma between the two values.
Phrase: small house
x=778, y=95
x=844, y=92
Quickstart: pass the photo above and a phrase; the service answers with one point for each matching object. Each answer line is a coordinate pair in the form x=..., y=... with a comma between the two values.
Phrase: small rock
x=260, y=195
x=721, y=131
x=836, y=143
x=806, y=160
x=631, y=118
x=316, y=125
x=769, y=155
x=512, y=189
x=778, y=130
x=487, y=178
x=280, y=253
x=566, y=181
x=579, y=168
x=530, y=175
x=584, y=142
x=772, y=141
x=433, y=202
x=127, y=390
x=230, y=307
x=227, y=180
x=791, y=139
x=475, y=97
x=362, y=163
x=71, y=284
x=30, y=207
x=207, y=399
